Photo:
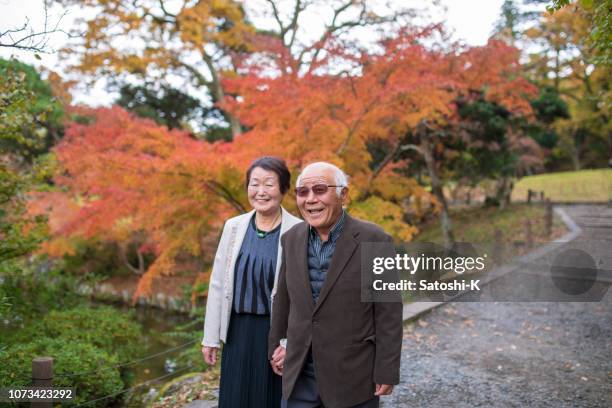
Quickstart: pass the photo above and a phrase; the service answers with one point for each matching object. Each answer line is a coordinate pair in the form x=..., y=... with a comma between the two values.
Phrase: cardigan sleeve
x=212, y=319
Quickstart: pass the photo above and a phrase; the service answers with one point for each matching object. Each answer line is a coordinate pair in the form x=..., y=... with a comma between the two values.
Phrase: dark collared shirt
x=320, y=254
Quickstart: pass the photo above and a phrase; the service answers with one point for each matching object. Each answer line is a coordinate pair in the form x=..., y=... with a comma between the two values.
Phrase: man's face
x=320, y=211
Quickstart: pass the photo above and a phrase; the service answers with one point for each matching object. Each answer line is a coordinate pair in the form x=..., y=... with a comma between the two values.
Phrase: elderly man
x=340, y=351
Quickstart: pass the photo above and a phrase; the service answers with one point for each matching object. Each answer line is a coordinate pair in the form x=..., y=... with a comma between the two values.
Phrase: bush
x=70, y=357
x=33, y=292
x=5, y=304
x=44, y=316
x=110, y=330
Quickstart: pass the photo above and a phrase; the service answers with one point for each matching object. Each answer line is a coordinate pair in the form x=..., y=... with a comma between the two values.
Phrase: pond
x=159, y=351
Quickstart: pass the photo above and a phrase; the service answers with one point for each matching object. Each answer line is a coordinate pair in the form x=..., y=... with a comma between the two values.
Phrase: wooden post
x=42, y=376
x=549, y=218
x=541, y=195
x=529, y=196
x=528, y=234
x=498, y=247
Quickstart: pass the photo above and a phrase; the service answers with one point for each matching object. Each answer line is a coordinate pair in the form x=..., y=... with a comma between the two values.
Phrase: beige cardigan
x=221, y=286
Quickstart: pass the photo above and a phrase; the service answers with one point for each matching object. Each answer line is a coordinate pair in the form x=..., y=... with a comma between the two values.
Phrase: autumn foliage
x=122, y=177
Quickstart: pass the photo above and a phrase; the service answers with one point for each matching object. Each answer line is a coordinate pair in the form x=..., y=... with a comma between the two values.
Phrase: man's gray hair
x=341, y=179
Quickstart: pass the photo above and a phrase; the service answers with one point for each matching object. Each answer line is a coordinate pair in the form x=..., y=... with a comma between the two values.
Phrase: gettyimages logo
x=557, y=272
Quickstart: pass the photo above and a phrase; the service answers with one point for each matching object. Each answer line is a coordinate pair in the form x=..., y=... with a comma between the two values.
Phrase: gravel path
x=513, y=354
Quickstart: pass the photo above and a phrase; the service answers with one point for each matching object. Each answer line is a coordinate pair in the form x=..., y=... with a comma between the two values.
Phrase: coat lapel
x=345, y=247
x=241, y=228
x=301, y=260
x=236, y=238
x=287, y=222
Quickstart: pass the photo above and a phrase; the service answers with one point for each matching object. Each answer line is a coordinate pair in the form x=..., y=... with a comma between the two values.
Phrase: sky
x=471, y=21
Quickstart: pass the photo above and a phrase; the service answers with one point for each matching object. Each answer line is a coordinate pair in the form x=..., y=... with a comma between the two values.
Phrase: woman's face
x=264, y=191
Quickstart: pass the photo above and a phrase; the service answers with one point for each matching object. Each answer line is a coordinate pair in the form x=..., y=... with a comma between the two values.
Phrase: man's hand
x=278, y=360
x=383, y=389
x=210, y=355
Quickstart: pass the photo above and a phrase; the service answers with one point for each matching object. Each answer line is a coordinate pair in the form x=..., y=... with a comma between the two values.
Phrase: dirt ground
x=508, y=355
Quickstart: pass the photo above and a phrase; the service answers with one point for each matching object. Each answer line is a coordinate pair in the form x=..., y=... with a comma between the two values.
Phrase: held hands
x=383, y=389
x=278, y=360
x=210, y=355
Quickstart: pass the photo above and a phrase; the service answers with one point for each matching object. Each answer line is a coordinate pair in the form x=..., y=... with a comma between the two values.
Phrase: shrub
x=33, y=292
x=97, y=378
x=112, y=331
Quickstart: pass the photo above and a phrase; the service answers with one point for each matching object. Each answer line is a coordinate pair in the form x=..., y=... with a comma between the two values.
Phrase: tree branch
x=163, y=9
x=335, y=27
x=276, y=14
x=33, y=41
x=412, y=147
x=385, y=161
x=293, y=24
x=223, y=192
x=202, y=81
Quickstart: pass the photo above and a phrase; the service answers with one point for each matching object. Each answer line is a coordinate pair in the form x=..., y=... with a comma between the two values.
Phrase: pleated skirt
x=247, y=380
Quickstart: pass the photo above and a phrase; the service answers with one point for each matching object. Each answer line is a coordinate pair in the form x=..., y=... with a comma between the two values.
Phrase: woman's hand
x=210, y=355
x=278, y=360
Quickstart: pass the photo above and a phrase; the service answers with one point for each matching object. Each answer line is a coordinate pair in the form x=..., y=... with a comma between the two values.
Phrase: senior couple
x=285, y=299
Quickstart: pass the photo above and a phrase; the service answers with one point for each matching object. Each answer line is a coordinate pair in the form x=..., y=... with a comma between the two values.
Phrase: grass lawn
x=570, y=186
x=478, y=224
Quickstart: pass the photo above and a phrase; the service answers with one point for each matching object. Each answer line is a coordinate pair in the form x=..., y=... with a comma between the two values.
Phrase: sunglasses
x=317, y=189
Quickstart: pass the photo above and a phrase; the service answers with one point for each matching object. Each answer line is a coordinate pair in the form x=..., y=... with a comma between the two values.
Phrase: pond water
x=159, y=352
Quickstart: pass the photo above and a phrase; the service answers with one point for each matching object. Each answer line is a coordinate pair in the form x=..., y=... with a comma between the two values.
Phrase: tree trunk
x=609, y=149
x=218, y=94
x=504, y=191
x=576, y=154
x=557, y=70
x=234, y=125
x=436, y=187
x=140, y=270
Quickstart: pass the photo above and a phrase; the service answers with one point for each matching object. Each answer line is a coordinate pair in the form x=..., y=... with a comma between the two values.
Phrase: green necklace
x=263, y=234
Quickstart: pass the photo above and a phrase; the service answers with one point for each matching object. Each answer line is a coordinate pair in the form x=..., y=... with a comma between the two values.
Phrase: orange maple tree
x=404, y=96
x=120, y=175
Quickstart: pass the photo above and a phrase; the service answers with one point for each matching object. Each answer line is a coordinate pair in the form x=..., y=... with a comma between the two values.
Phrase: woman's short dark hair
x=276, y=165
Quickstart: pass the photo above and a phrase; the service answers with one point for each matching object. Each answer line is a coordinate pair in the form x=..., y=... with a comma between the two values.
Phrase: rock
x=84, y=289
x=105, y=288
x=176, y=384
x=201, y=404
x=150, y=396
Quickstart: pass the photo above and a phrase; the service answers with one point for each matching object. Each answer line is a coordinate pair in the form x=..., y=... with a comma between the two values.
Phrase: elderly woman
x=242, y=288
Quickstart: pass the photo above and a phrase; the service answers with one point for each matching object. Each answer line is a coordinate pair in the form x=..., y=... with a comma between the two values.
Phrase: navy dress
x=247, y=380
